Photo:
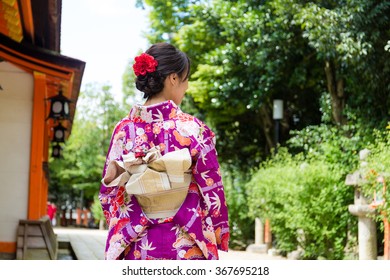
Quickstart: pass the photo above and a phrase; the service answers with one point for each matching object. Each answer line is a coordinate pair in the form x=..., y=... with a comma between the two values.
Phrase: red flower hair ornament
x=144, y=63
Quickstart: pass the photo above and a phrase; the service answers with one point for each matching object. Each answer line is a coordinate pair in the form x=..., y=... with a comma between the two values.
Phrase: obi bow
x=160, y=183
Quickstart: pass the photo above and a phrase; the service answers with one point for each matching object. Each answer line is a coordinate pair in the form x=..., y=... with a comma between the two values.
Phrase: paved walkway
x=88, y=244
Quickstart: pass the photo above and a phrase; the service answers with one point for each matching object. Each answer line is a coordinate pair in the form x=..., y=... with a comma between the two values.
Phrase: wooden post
x=37, y=196
x=78, y=217
x=267, y=233
x=386, y=254
x=85, y=218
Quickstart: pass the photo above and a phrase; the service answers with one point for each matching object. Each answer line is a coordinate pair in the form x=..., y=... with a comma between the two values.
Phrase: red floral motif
x=225, y=241
x=143, y=221
x=107, y=215
x=193, y=187
x=114, y=208
x=138, y=120
x=144, y=63
x=120, y=196
x=199, y=211
x=148, y=128
x=121, y=224
x=139, y=152
x=185, y=117
x=212, y=248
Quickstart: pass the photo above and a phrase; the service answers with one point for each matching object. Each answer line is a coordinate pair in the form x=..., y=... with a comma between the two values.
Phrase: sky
x=104, y=34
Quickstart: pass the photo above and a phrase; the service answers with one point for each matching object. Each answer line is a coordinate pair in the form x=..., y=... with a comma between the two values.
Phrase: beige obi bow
x=160, y=183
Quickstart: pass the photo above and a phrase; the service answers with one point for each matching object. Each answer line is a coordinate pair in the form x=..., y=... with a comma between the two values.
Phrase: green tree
x=316, y=55
x=346, y=37
x=130, y=93
x=75, y=178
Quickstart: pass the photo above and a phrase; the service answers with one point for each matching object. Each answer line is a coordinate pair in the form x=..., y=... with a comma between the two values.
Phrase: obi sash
x=160, y=183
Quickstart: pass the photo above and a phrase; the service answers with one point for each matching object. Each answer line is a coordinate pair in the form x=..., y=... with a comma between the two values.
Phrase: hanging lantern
x=59, y=133
x=59, y=107
x=56, y=151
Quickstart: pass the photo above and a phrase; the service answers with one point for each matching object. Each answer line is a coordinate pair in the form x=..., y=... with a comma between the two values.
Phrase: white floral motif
x=159, y=116
x=204, y=175
x=116, y=150
x=167, y=125
x=146, y=116
x=114, y=250
x=140, y=131
x=216, y=202
x=147, y=246
x=182, y=253
x=125, y=210
x=207, y=200
x=187, y=129
x=138, y=228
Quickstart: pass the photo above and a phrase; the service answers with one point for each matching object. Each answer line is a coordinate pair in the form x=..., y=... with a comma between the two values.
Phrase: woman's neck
x=155, y=100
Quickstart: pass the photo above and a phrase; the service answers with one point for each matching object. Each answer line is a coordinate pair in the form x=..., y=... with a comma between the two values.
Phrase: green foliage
x=336, y=145
x=75, y=178
x=245, y=53
x=96, y=210
x=304, y=194
x=241, y=224
x=376, y=173
x=130, y=92
x=307, y=209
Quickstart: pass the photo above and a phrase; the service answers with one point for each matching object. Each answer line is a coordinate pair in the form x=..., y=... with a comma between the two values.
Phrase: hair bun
x=150, y=84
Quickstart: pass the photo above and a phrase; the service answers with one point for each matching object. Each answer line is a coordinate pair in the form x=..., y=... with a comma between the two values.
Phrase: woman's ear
x=173, y=78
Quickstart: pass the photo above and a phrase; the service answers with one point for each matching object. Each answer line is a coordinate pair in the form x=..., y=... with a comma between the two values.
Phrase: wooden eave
x=46, y=16
x=35, y=21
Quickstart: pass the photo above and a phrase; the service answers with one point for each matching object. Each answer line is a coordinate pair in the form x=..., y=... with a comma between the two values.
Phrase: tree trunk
x=266, y=124
x=336, y=91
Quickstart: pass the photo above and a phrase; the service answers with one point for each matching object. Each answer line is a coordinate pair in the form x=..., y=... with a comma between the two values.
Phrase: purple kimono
x=200, y=227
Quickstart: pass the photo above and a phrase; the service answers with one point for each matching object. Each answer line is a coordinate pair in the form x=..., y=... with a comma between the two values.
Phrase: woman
x=162, y=193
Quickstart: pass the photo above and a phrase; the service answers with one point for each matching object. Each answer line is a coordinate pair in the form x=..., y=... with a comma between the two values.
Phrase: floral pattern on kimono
x=200, y=227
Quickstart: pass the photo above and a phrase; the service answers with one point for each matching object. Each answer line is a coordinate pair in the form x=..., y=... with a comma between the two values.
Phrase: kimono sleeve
x=208, y=177
x=109, y=196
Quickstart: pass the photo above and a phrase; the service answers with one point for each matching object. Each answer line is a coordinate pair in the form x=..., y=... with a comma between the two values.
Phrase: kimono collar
x=157, y=112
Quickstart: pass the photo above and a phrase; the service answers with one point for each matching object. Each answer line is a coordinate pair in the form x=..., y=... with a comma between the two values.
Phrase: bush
x=305, y=196
x=97, y=212
x=241, y=224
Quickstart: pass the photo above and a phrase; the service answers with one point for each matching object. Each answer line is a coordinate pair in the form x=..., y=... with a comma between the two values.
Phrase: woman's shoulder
x=121, y=124
x=192, y=125
x=186, y=117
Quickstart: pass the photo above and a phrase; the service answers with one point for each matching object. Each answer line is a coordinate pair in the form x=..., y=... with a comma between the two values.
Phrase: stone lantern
x=363, y=209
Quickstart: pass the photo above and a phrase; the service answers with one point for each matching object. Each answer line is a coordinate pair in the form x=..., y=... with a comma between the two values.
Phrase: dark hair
x=170, y=60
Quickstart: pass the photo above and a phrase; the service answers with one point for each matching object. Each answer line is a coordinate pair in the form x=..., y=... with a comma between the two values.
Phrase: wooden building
x=32, y=70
